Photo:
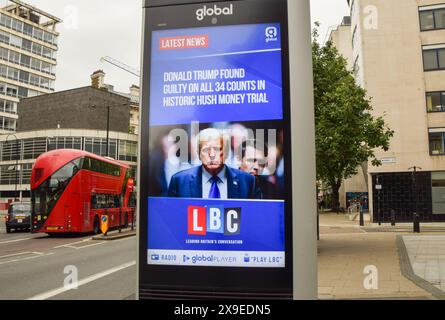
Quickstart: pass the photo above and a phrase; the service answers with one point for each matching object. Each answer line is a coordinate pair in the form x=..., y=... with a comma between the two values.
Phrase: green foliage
x=346, y=132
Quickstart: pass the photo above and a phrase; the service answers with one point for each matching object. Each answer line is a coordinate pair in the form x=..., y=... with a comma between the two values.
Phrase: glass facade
x=438, y=192
x=30, y=149
x=32, y=49
x=28, y=29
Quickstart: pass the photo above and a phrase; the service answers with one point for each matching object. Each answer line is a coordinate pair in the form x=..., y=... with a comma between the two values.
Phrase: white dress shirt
x=207, y=183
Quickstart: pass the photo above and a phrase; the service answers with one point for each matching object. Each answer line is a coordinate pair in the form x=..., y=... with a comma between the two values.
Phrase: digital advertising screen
x=216, y=191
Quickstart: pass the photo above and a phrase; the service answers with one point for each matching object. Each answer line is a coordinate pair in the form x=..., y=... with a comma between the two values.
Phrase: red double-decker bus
x=71, y=189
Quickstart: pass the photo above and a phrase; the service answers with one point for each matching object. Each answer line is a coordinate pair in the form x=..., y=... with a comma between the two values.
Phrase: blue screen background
x=240, y=46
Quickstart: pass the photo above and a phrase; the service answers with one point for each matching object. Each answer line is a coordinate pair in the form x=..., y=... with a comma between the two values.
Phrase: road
x=33, y=266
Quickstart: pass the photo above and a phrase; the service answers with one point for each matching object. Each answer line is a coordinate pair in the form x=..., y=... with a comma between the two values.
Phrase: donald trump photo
x=213, y=179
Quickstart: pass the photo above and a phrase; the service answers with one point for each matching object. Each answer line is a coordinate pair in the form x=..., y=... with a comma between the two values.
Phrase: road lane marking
x=70, y=244
x=55, y=292
x=87, y=246
x=15, y=254
x=17, y=240
x=39, y=256
x=34, y=256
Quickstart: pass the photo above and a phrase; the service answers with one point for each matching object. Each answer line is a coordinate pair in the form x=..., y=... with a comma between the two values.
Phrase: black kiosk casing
x=179, y=282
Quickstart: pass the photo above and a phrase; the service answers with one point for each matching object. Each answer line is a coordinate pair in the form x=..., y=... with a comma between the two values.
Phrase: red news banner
x=184, y=42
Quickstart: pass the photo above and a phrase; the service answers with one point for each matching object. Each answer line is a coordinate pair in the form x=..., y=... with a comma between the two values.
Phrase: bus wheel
x=8, y=230
x=96, y=226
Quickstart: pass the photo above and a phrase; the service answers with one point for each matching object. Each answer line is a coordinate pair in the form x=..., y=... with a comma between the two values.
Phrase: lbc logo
x=217, y=219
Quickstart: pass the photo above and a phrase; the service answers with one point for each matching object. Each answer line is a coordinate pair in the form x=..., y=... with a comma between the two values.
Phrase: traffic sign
x=104, y=224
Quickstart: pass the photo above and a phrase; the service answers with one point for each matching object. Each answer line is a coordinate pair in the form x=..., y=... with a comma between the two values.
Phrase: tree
x=346, y=132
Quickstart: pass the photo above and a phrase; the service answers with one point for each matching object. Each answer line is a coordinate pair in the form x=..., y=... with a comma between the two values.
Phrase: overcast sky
x=96, y=28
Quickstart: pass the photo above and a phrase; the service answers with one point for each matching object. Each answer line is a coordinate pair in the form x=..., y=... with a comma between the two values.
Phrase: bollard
x=393, y=218
x=416, y=227
x=132, y=221
x=362, y=217
x=120, y=220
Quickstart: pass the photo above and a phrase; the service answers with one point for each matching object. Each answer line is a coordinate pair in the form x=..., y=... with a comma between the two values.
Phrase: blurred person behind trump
x=255, y=162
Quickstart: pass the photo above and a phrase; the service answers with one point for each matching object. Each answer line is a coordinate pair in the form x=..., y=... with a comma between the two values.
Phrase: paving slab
x=344, y=253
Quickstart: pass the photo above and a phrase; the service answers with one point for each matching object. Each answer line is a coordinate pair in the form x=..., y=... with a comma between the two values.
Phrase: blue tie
x=214, y=190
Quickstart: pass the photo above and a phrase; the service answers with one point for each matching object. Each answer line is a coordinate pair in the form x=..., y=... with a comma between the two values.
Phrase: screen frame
x=275, y=282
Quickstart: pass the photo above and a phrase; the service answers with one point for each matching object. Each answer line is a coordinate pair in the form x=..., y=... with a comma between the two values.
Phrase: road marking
x=39, y=256
x=15, y=254
x=70, y=244
x=35, y=255
x=87, y=246
x=17, y=240
x=55, y=292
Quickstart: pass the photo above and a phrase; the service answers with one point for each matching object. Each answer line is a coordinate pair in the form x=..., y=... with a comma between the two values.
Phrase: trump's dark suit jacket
x=188, y=184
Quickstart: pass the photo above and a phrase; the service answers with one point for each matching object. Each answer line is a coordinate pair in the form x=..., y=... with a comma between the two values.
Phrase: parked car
x=18, y=217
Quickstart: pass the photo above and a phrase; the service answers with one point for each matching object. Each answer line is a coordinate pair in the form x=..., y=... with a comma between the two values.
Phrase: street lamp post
x=108, y=131
x=416, y=218
x=92, y=106
x=16, y=163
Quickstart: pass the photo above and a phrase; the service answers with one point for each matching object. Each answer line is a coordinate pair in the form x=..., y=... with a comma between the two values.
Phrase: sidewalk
x=345, y=250
x=426, y=259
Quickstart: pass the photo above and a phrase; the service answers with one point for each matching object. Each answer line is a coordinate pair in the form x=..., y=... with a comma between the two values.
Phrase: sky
x=92, y=29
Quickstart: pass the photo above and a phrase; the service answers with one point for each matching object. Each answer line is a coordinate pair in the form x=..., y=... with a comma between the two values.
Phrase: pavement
x=345, y=250
x=426, y=256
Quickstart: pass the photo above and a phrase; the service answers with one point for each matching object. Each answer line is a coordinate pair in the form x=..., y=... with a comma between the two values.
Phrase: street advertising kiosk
x=227, y=203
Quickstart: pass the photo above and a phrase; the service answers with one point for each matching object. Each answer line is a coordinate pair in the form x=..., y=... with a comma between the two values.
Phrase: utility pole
x=379, y=191
x=108, y=107
x=108, y=131
x=416, y=218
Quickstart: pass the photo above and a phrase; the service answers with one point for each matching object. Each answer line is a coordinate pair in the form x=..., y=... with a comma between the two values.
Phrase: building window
x=11, y=90
x=15, y=41
x=25, y=60
x=10, y=151
x=128, y=151
x=23, y=92
x=26, y=173
x=13, y=74
x=24, y=76
x=437, y=140
x=64, y=143
x=8, y=106
x=36, y=49
x=14, y=57
x=28, y=29
x=99, y=146
x=17, y=25
x=438, y=192
x=8, y=175
x=434, y=59
x=33, y=148
x=5, y=21
x=27, y=45
x=432, y=19
x=435, y=101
